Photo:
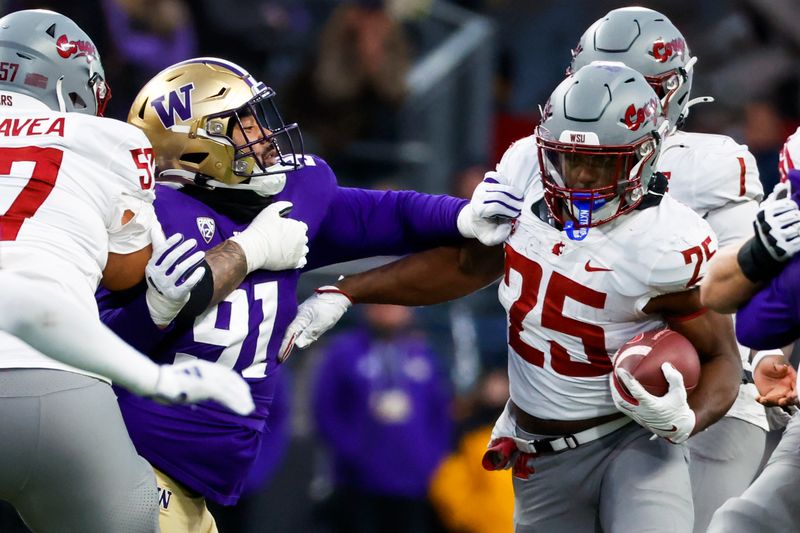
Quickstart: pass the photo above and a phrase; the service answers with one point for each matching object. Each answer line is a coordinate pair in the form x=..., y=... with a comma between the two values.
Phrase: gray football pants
x=66, y=461
x=772, y=503
x=621, y=483
x=724, y=460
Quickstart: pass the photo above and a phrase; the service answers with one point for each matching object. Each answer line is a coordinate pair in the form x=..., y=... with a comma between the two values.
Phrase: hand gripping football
x=644, y=354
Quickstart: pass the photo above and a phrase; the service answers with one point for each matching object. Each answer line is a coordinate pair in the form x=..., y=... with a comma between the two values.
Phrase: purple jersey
x=205, y=447
x=771, y=319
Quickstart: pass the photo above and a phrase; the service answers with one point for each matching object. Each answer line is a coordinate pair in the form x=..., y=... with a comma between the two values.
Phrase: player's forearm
x=716, y=390
x=712, y=336
x=725, y=286
x=429, y=277
x=229, y=268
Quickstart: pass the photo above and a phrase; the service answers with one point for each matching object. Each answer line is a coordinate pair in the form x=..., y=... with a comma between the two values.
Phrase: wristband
x=756, y=263
x=333, y=289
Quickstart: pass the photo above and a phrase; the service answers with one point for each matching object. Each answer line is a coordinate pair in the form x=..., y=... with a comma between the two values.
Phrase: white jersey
x=708, y=172
x=719, y=180
x=789, y=158
x=572, y=304
x=66, y=179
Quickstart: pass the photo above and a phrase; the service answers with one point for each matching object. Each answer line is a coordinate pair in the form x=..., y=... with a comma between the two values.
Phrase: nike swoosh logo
x=590, y=268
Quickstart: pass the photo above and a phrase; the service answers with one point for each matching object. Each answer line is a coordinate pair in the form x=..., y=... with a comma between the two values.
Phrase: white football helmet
x=48, y=57
x=646, y=41
x=598, y=142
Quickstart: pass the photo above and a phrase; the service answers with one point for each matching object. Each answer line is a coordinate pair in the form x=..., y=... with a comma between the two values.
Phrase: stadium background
x=425, y=95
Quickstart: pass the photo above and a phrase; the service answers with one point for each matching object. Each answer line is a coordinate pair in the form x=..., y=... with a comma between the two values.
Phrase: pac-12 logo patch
x=207, y=227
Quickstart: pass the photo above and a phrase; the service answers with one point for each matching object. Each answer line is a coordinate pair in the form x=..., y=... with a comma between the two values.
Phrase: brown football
x=644, y=354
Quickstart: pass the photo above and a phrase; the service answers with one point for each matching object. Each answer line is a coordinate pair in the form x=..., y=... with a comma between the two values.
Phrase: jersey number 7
x=46, y=164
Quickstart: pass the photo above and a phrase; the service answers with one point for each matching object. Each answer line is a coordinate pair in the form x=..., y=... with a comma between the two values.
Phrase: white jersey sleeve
x=680, y=257
x=707, y=171
x=789, y=158
x=519, y=166
x=126, y=234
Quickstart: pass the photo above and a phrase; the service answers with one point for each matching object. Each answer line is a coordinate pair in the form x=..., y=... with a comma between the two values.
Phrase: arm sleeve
x=127, y=315
x=362, y=223
x=771, y=318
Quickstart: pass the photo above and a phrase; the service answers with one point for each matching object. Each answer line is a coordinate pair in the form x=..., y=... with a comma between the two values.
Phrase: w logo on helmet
x=179, y=102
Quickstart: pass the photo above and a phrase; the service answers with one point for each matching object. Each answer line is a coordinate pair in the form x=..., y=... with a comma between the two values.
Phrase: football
x=644, y=354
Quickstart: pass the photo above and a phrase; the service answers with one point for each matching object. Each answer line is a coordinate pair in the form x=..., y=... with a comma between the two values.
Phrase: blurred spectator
x=381, y=405
x=146, y=36
x=355, y=83
x=468, y=498
x=765, y=133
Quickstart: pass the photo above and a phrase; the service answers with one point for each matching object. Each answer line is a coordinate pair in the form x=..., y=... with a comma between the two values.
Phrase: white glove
x=667, y=416
x=490, y=214
x=319, y=313
x=166, y=293
x=273, y=242
x=777, y=223
x=195, y=381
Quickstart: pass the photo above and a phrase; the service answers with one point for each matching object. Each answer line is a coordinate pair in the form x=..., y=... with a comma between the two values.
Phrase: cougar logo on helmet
x=78, y=47
x=634, y=118
x=666, y=51
x=175, y=104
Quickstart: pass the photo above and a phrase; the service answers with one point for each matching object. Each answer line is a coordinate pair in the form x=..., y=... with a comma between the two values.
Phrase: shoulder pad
x=520, y=163
x=684, y=245
x=709, y=171
x=127, y=153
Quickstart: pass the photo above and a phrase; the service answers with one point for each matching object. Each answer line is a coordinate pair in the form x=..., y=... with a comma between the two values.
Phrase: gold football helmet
x=213, y=125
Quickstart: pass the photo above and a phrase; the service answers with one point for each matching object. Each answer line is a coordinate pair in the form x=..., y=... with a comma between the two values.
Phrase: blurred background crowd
x=381, y=426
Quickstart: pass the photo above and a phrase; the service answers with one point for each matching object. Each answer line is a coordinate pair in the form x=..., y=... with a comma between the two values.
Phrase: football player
x=599, y=254
x=761, y=276
x=76, y=193
x=228, y=158
x=719, y=180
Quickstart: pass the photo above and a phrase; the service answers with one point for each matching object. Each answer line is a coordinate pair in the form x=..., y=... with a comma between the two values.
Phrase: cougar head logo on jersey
x=647, y=41
x=592, y=169
x=213, y=125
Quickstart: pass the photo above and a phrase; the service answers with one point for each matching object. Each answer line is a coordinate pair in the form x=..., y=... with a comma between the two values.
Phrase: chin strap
x=268, y=185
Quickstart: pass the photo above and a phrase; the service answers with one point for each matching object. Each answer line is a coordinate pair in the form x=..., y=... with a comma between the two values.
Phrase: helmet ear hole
x=77, y=101
x=194, y=158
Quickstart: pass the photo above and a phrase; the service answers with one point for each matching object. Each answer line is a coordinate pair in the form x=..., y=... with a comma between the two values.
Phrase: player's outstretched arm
x=725, y=287
x=429, y=277
x=56, y=326
x=712, y=335
x=736, y=274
